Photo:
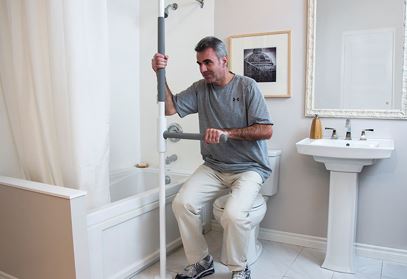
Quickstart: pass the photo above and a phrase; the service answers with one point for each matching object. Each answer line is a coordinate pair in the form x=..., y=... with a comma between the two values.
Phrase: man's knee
x=181, y=205
x=177, y=204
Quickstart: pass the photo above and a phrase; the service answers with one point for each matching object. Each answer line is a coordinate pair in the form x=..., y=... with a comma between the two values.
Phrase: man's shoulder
x=195, y=87
x=249, y=86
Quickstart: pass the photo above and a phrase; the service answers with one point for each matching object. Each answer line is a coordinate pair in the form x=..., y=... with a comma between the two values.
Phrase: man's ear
x=225, y=60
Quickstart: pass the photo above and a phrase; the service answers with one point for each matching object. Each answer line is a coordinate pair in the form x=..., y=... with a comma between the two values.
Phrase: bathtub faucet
x=170, y=159
x=167, y=179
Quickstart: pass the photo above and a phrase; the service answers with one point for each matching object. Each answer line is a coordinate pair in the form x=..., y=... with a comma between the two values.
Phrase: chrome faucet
x=348, y=130
x=334, y=135
x=363, y=133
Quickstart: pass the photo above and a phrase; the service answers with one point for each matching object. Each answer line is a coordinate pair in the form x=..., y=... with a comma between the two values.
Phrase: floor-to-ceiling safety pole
x=162, y=126
x=163, y=134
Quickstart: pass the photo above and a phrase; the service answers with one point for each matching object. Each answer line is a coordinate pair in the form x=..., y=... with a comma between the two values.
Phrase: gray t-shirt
x=239, y=104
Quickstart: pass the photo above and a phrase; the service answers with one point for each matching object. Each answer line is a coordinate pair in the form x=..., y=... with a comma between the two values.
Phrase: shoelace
x=239, y=275
x=191, y=269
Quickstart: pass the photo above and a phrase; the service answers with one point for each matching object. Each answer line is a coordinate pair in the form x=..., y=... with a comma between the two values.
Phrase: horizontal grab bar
x=190, y=136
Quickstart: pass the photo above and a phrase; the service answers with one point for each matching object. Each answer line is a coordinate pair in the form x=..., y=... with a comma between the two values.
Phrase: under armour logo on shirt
x=236, y=99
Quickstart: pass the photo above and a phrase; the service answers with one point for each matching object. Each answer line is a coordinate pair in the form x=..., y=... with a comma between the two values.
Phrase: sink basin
x=345, y=159
x=347, y=149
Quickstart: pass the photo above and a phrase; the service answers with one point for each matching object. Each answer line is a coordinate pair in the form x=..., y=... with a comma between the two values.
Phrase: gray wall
x=301, y=206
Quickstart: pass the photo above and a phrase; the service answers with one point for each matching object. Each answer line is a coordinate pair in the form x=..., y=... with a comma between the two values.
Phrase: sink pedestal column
x=343, y=200
x=343, y=192
x=344, y=159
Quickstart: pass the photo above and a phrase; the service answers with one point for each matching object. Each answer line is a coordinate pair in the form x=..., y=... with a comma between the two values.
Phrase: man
x=232, y=105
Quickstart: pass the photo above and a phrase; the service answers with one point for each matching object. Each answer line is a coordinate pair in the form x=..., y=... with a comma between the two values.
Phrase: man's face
x=211, y=67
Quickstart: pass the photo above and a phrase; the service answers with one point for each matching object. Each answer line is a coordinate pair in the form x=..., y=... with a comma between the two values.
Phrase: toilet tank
x=270, y=186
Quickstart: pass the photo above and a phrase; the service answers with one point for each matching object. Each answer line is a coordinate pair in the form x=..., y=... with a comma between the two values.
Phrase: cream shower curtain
x=54, y=81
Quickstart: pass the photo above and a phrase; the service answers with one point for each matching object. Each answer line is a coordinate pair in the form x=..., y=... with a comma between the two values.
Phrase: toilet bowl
x=259, y=208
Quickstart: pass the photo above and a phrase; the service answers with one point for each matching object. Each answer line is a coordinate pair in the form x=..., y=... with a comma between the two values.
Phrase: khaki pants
x=203, y=186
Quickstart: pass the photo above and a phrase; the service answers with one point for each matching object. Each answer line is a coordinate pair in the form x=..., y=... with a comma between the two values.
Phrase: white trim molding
x=303, y=240
x=365, y=250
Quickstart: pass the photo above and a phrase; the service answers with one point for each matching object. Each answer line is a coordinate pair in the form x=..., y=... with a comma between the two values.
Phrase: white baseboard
x=4, y=275
x=383, y=253
x=365, y=250
x=303, y=240
x=309, y=241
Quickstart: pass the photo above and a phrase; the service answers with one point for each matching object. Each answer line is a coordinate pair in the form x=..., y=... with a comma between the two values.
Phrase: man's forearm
x=253, y=132
x=169, y=102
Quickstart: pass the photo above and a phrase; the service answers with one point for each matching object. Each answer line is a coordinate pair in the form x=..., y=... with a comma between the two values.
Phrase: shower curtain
x=54, y=82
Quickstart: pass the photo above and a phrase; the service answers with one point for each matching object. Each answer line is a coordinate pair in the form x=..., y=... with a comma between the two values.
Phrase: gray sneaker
x=242, y=274
x=198, y=270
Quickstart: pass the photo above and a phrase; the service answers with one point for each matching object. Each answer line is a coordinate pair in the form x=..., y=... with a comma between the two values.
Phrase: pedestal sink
x=344, y=159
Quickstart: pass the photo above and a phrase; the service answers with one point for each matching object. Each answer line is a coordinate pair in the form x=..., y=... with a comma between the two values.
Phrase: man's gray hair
x=214, y=43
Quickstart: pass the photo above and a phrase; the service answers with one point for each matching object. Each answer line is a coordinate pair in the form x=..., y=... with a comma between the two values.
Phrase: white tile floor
x=284, y=261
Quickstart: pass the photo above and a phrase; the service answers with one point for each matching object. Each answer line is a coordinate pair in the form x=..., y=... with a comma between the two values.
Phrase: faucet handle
x=348, y=124
x=348, y=129
x=333, y=136
x=363, y=133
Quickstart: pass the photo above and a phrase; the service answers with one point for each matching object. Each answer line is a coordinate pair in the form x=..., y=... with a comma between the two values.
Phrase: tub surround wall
x=184, y=28
x=43, y=231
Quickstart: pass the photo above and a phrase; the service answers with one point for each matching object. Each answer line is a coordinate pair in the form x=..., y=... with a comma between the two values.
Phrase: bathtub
x=123, y=236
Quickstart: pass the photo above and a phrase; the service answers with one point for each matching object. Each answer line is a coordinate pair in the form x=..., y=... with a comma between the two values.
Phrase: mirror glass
x=355, y=58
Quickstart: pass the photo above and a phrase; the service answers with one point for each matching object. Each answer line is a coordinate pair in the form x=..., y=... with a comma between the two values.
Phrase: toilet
x=269, y=188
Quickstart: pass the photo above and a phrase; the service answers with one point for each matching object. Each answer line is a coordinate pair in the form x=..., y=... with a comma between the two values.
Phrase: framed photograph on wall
x=266, y=58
